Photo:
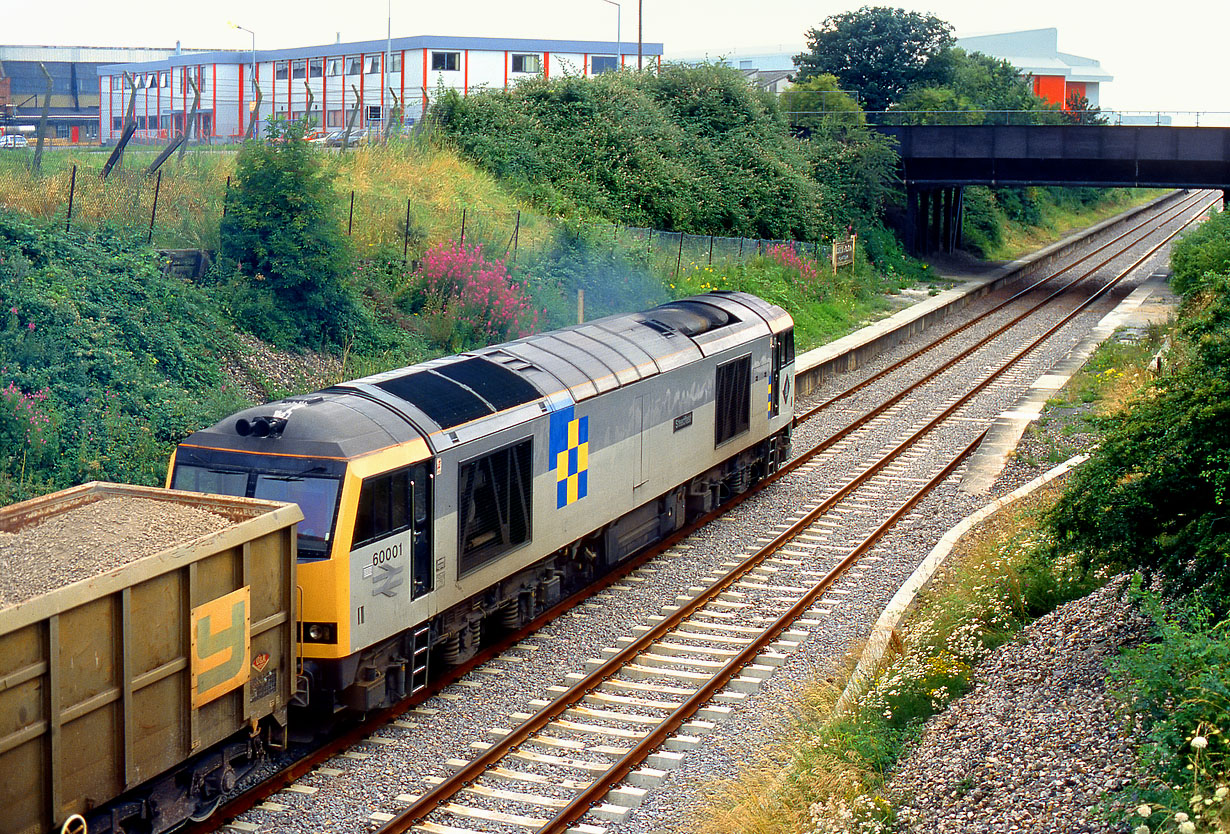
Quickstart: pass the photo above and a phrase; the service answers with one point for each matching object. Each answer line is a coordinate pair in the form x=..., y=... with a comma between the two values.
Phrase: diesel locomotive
x=464, y=495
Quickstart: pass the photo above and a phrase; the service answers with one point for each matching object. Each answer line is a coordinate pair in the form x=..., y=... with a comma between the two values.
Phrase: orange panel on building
x=1050, y=87
x=1075, y=88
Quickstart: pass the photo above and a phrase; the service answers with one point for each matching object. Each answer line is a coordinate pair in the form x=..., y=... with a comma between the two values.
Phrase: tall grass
x=436, y=182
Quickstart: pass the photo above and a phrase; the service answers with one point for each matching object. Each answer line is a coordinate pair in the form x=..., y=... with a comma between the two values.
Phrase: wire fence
x=184, y=212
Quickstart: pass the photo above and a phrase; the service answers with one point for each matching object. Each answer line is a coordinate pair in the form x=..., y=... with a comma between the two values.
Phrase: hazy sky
x=1168, y=56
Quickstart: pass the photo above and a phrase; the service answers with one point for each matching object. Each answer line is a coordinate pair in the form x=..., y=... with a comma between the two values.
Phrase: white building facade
x=326, y=82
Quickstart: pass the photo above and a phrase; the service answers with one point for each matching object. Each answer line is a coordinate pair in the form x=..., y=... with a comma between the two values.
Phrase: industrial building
x=328, y=81
x=73, y=110
x=1057, y=76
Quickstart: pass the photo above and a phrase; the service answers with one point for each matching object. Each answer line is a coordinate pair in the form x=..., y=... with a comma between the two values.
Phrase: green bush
x=1177, y=687
x=283, y=256
x=1202, y=254
x=692, y=148
x=1154, y=495
x=984, y=221
x=103, y=355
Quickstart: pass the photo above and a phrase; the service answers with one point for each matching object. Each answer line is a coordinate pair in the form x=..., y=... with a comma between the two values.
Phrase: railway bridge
x=938, y=161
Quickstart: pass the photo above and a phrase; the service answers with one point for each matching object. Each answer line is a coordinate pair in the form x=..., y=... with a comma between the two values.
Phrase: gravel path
x=1036, y=744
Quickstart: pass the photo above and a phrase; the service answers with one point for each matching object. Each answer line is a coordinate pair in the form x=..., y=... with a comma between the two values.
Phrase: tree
x=876, y=51
x=282, y=236
x=820, y=99
x=979, y=88
x=1078, y=111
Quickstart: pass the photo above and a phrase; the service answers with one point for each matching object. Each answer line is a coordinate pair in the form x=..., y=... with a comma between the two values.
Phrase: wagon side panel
x=24, y=796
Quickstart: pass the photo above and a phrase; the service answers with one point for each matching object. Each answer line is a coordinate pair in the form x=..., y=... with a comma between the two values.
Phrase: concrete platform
x=1151, y=302
x=854, y=350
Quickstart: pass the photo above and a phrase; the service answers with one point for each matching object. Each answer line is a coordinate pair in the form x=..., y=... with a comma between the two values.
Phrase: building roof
x=1036, y=51
x=243, y=56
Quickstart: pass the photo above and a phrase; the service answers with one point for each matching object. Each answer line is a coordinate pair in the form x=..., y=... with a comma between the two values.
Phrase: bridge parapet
x=1077, y=155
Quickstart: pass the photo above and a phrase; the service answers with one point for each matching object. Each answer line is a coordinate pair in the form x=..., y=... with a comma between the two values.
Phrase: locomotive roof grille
x=691, y=318
x=462, y=391
x=494, y=383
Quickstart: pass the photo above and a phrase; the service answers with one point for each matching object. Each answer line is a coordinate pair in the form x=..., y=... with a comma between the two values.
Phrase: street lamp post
x=619, y=46
x=387, y=75
x=255, y=91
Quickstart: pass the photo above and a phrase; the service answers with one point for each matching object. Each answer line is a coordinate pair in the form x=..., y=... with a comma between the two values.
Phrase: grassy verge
x=1074, y=418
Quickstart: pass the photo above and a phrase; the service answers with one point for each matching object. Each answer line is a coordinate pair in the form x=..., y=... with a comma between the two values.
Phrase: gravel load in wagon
x=92, y=538
x=147, y=652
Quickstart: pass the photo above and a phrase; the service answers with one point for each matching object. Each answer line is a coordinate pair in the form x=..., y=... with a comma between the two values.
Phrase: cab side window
x=384, y=507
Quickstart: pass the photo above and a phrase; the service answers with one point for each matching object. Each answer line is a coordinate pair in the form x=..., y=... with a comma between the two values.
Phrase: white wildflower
x=1199, y=743
x=1145, y=811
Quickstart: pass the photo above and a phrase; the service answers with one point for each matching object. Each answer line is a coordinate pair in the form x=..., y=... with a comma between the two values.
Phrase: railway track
x=666, y=696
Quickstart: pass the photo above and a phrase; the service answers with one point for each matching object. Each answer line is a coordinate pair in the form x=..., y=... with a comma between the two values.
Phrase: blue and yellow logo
x=569, y=456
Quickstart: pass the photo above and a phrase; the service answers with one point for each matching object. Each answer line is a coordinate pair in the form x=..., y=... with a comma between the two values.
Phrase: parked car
x=335, y=139
x=13, y=140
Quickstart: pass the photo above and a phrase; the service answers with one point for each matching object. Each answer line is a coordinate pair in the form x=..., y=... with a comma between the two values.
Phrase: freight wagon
x=162, y=678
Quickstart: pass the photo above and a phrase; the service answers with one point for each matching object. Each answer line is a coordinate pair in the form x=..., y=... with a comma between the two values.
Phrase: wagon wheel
x=74, y=825
x=203, y=812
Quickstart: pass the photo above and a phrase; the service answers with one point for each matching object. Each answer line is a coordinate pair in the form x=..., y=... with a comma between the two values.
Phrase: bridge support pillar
x=934, y=218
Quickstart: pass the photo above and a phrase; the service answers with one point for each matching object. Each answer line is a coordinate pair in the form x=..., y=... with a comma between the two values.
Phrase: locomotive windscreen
x=312, y=484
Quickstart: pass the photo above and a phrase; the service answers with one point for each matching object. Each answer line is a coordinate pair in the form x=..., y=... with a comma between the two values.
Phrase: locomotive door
x=781, y=378
x=638, y=447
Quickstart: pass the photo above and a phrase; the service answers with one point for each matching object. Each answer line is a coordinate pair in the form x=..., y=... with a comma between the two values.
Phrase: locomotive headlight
x=319, y=633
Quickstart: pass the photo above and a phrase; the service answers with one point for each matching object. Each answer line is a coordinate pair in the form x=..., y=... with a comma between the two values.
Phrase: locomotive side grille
x=732, y=399
x=494, y=498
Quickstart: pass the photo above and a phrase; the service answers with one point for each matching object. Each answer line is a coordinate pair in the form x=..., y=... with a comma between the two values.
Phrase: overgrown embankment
x=692, y=148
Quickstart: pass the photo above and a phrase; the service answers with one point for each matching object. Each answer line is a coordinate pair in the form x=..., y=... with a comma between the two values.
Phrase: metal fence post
x=516, y=235
x=710, y=250
x=462, y=241
x=72, y=186
x=350, y=221
x=154, y=213
x=226, y=194
x=679, y=260
x=405, y=244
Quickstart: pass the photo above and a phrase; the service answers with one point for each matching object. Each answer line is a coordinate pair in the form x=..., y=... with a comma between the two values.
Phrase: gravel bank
x=1036, y=744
